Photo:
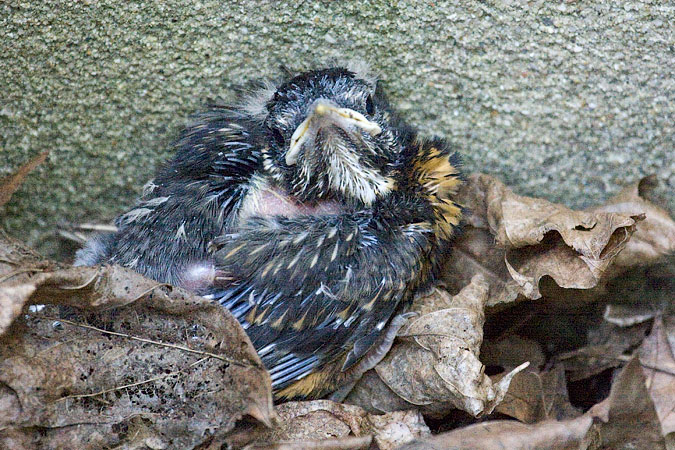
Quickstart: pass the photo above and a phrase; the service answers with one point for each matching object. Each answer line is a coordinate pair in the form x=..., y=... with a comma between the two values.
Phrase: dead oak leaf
x=524, y=399
x=474, y=252
x=326, y=424
x=396, y=428
x=628, y=408
x=115, y=359
x=609, y=424
x=436, y=367
x=658, y=364
x=606, y=348
x=654, y=237
x=537, y=396
x=540, y=238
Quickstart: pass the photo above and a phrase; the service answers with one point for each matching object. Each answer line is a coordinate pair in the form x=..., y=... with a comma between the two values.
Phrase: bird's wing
x=313, y=289
x=191, y=199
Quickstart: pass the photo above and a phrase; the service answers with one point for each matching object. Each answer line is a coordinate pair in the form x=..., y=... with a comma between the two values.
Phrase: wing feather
x=315, y=310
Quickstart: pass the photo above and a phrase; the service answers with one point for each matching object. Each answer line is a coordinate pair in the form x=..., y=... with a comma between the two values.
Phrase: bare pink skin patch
x=270, y=201
x=263, y=202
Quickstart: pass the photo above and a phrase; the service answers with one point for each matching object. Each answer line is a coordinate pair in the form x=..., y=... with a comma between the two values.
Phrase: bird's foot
x=373, y=356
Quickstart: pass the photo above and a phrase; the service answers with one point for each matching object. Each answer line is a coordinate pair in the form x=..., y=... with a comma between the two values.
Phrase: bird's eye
x=370, y=106
x=278, y=137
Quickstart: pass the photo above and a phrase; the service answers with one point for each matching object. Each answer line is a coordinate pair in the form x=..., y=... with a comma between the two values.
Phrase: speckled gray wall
x=565, y=100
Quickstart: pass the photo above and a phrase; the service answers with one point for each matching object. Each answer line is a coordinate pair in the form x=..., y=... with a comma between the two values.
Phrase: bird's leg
x=373, y=356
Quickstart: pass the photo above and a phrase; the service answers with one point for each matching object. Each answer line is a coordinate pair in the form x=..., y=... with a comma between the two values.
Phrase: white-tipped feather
x=134, y=215
x=148, y=188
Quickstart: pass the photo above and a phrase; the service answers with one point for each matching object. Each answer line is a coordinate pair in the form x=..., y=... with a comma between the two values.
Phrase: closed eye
x=370, y=106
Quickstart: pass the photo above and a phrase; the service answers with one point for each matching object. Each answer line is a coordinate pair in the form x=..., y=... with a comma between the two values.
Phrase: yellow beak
x=322, y=110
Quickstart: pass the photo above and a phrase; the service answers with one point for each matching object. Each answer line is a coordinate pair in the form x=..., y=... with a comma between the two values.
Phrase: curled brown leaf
x=538, y=238
x=114, y=359
x=537, y=396
x=654, y=237
x=326, y=424
x=657, y=357
x=610, y=424
x=436, y=366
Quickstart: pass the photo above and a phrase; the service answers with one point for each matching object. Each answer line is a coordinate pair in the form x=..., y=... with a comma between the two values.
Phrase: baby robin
x=310, y=210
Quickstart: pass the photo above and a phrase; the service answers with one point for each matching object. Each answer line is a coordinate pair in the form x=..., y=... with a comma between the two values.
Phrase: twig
x=147, y=341
x=19, y=272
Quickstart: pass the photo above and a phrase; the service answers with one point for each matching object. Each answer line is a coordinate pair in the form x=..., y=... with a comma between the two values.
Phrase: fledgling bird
x=310, y=210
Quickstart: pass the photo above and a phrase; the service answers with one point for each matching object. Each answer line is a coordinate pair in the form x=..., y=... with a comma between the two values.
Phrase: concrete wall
x=569, y=100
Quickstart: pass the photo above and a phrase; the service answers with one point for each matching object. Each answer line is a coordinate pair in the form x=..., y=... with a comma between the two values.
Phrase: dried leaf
x=538, y=239
x=503, y=434
x=16, y=259
x=474, y=251
x=11, y=184
x=606, y=349
x=641, y=294
x=515, y=241
x=12, y=302
x=556, y=398
x=347, y=443
x=525, y=398
x=535, y=397
x=629, y=315
x=437, y=367
x=122, y=361
x=655, y=236
x=627, y=409
x=658, y=364
x=669, y=324
x=511, y=351
x=397, y=428
x=326, y=424
x=313, y=421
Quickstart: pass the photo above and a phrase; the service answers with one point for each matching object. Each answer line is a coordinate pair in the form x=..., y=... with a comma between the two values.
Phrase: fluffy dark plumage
x=309, y=210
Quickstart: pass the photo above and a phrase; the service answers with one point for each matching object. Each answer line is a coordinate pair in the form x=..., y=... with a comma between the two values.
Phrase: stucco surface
x=564, y=100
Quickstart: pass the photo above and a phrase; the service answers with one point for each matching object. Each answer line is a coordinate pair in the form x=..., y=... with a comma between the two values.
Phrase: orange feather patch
x=441, y=181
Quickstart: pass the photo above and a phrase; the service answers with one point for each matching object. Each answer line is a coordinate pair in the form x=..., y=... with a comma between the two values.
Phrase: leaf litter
x=536, y=302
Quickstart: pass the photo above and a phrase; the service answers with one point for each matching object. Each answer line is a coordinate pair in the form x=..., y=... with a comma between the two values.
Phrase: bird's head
x=329, y=136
